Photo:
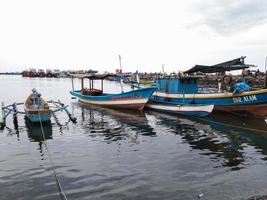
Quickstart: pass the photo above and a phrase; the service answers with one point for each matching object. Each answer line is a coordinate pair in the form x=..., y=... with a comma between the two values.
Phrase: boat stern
x=39, y=117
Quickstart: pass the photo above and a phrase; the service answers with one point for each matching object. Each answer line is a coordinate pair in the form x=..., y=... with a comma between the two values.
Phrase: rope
x=221, y=123
x=61, y=191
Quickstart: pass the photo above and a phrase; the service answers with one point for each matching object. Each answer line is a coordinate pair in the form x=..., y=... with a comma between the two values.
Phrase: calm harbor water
x=111, y=154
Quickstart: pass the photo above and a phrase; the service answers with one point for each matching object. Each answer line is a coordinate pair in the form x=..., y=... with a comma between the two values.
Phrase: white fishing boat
x=186, y=109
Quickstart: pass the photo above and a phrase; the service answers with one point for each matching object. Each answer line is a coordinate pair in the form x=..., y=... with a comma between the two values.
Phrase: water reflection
x=225, y=139
x=230, y=121
x=114, y=125
x=242, y=131
x=35, y=132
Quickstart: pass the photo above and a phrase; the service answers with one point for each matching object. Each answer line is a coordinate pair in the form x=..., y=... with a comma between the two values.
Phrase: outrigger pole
x=61, y=107
x=2, y=116
x=5, y=111
x=15, y=117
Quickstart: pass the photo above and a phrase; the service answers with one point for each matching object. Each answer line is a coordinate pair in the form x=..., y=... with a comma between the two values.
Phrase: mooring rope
x=61, y=191
x=229, y=125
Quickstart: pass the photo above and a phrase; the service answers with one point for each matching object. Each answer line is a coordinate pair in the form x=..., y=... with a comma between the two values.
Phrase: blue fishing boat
x=134, y=99
x=185, y=90
x=36, y=108
x=171, y=86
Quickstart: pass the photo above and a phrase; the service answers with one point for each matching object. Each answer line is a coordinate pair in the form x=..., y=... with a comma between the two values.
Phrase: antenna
x=120, y=63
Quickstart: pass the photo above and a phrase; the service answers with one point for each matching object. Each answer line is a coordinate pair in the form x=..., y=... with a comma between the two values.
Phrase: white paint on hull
x=116, y=102
x=182, y=108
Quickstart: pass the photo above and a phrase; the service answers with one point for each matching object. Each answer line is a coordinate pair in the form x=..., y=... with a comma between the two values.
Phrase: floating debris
x=200, y=195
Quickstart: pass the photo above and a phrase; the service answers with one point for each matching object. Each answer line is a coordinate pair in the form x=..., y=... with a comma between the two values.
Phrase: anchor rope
x=60, y=188
x=225, y=124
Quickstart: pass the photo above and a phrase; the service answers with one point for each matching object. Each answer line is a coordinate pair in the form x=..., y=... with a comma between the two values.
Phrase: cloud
x=229, y=17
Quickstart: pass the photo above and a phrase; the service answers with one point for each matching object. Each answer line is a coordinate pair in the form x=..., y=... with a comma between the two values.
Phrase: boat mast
x=121, y=75
x=82, y=85
x=137, y=78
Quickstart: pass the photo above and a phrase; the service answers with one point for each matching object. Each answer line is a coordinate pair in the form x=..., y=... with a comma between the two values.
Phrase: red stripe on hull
x=255, y=110
x=119, y=106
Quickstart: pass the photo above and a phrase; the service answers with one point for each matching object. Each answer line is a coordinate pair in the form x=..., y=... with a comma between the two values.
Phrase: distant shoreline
x=10, y=73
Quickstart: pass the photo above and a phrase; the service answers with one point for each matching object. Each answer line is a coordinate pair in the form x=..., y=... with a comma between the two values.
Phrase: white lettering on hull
x=244, y=99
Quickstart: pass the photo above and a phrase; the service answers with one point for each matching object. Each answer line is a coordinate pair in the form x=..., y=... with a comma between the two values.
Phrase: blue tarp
x=241, y=87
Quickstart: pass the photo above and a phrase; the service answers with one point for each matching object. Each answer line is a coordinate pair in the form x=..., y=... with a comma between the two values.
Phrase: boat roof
x=91, y=76
x=235, y=64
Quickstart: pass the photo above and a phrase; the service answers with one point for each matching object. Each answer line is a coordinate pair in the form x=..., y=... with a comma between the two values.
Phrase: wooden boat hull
x=135, y=99
x=43, y=117
x=255, y=110
x=37, y=115
x=136, y=104
x=188, y=110
x=252, y=103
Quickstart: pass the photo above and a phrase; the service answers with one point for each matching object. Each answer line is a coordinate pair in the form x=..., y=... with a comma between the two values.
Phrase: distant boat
x=36, y=108
x=186, y=109
x=41, y=73
x=134, y=99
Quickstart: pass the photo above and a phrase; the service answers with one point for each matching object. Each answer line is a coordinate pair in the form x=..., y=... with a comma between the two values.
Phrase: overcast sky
x=84, y=34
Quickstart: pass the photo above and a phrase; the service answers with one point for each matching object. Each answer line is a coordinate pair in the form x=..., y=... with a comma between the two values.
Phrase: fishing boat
x=36, y=108
x=185, y=90
x=183, y=109
x=168, y=86
x=134, y=99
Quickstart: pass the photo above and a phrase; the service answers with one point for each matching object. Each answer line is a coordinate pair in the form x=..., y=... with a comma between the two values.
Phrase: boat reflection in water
x=237, y=121
x=225, y=139
x=242, y=130
x=35, y=131
x=228, y=141
x=114, y=124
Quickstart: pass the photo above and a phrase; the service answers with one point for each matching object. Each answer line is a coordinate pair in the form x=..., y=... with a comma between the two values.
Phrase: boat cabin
x=89, y=89
x=174, y=85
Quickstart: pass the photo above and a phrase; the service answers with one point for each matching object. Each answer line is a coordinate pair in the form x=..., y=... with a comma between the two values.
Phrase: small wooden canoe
x=186, y=109
x=36, y=108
